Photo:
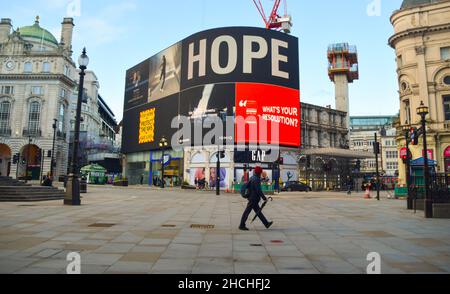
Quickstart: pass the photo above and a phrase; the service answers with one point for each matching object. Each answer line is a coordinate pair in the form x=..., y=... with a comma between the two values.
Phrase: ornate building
x=97, y=129
x=422, y=46
x=37, y=79
x=325, y=160
x=362, y=138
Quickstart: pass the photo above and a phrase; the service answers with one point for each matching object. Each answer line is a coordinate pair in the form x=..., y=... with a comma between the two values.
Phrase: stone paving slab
x=141, y=230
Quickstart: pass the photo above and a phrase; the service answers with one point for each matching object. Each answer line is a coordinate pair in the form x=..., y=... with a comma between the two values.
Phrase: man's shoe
x=269, y=225
x=243, y=229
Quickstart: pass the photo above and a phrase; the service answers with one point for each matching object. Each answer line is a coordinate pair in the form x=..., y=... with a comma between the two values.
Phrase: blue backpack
x=245, y=190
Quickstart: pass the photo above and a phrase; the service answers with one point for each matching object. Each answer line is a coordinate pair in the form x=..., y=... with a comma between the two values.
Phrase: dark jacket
x=256, y=193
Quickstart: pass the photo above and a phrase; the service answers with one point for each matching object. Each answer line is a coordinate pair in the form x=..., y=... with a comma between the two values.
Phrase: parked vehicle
x=296, y=186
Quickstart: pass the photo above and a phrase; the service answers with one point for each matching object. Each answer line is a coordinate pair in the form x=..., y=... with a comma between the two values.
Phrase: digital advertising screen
x=248, y=74
x=274, y=108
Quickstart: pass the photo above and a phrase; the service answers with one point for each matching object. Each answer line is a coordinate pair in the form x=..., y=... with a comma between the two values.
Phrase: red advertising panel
x=403, y=153
x=272, y=111
x=447, y=152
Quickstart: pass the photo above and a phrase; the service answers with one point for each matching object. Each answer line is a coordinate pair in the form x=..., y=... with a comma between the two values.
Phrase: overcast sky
x=119, y=34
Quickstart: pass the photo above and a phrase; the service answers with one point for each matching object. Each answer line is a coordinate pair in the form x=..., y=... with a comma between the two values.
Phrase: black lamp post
x=163, y=145
x=407, y=131
x=53, y=150
x=28, y=158
x=423, y=111
x=73, y=181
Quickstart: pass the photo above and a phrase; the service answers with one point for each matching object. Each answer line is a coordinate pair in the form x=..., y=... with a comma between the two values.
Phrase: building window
x=62, y=118
x=5, y=110
x=36, y=90
x=399, y=61
x=447, y=80
x=391, y=154
x=445, y=53
x=407, y=109
x=34, y=117
x=66, y=70
x=62, y=93
x=7, y=90
x=392, y=165
x=28, y=67
x=446, y=99
x=46, y=67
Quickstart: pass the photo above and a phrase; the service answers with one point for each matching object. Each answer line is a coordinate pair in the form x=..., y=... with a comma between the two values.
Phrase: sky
x=119, y=34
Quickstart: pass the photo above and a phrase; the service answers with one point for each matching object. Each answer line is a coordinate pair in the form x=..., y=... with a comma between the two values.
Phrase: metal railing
x=32, y=133
x=5, y=132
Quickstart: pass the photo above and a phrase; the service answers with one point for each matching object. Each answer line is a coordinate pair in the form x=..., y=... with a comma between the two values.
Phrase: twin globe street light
x=163, y=145
x=423, y=111
x=73, y=181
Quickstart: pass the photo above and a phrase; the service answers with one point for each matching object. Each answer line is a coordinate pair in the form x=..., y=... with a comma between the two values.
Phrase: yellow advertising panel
x=147, y=126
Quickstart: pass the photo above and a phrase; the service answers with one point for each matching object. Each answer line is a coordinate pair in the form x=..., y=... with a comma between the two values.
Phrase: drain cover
x=203, y=227
x=277, y=241
x=256, y=245
x=168, y=226
x=101, y=225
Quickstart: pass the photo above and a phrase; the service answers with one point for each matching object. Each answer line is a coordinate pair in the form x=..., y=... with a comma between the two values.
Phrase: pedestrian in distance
x=255, y=195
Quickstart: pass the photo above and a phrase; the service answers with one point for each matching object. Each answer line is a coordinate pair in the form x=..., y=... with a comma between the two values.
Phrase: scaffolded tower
x=343, y=69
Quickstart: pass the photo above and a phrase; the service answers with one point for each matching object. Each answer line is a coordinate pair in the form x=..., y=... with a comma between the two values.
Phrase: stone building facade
x=37, y=79
x=422, y=46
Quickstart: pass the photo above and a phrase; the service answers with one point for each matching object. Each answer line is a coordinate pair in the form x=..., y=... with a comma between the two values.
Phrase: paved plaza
x=138, y=230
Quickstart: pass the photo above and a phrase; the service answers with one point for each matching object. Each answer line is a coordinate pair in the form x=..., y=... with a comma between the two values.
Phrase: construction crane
x=275, y=21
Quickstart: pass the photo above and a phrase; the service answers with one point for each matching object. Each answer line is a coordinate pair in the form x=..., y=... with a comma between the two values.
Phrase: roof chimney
x=66, y=33
x=5, y=29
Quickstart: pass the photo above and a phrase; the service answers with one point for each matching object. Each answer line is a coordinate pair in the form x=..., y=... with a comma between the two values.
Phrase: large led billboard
x=250, y=74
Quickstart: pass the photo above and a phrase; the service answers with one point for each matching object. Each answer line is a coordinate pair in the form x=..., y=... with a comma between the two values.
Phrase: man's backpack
x=245, y=190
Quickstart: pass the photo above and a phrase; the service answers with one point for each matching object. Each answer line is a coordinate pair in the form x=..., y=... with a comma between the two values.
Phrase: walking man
x=255, y=197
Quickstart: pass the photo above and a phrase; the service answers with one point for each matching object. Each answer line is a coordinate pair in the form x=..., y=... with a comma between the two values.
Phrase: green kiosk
x=417, y=173
x=95, y=174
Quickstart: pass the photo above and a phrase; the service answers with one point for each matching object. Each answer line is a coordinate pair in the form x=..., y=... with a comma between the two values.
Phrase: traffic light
x=377, y=148
x=49, y=154
x=15, y=159
x=414, y=135
x=358, y=165
x=280, y=161
x=405, y=157
x=308, y=161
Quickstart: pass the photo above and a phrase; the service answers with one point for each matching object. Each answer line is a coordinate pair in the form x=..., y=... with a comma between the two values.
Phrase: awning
x=421, y=162
x=343, y=153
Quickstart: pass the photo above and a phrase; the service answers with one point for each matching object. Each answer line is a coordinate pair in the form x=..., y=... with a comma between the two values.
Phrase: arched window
x=62, y=118
x=5, y=111
x=34, y=116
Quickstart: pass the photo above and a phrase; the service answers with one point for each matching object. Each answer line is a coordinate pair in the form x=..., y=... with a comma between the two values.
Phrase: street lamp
x=73, y=181
x=163, y=145
x=407, y=131
x=53, y=150
x=423, y=111
x=30, y=140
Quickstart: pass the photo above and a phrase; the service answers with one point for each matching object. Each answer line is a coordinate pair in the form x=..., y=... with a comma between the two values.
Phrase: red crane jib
x=270, y=22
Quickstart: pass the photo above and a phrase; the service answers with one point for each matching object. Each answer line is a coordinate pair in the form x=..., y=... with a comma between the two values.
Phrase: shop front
x=201, y=168
x=173, y=168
